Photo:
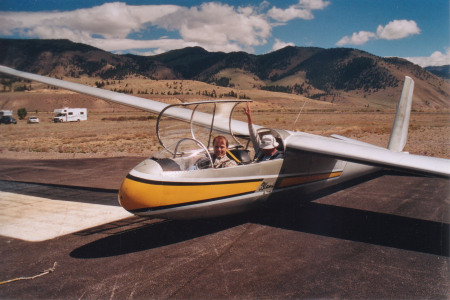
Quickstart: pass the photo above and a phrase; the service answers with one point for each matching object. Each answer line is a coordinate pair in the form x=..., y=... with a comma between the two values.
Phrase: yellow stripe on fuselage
x=291, y=181
x=135, y=195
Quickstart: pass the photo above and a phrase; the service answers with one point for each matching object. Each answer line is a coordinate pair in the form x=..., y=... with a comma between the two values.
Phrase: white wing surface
x=339, y=147
x=368, y=154
x=136, y=102
x=237, y=127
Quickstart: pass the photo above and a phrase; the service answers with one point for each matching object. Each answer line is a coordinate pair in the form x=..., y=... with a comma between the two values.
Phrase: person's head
x=268, y=144
x=220, y=144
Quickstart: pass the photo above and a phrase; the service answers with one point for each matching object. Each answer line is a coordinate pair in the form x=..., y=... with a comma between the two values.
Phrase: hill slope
x=337, y=75
x=441, y=71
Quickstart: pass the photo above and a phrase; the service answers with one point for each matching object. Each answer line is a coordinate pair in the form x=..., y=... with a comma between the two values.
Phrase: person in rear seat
x=265, y=147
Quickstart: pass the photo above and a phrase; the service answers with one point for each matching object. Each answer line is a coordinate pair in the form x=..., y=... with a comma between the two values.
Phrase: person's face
x=220, y=148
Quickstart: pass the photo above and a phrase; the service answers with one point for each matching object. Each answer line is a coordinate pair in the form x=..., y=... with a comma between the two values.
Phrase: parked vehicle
x=67, y=114
x=6, y=113
x=7, y=120
x=33, y=120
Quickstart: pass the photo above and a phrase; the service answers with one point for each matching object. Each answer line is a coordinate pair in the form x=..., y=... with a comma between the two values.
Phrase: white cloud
x=280, y=45
x=284, y=15
x=302, y=10
x=358, y=38
x=110, y=20
x=214, y=26
x=397, y=29
x=127, y=44
x=436, y=59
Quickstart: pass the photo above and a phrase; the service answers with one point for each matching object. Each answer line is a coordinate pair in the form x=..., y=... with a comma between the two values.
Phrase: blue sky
x=418, y=30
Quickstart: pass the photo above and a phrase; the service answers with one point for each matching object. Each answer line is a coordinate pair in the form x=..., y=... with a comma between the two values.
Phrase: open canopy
x=201, y=121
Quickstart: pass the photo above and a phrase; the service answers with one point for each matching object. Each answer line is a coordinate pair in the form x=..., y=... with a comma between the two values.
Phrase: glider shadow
x=302, y=216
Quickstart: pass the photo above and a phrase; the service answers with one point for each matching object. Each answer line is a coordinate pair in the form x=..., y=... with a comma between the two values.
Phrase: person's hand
x=247, y=110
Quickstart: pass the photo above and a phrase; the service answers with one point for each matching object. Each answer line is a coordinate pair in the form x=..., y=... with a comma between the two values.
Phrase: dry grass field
x=116, y=130
x=132, y=133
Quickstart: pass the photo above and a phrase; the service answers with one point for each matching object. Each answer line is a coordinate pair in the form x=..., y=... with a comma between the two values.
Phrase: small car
x=7, y=120
x=33, y=120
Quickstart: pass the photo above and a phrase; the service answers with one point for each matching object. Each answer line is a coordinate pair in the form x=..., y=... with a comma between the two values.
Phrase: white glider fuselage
x=151, y=191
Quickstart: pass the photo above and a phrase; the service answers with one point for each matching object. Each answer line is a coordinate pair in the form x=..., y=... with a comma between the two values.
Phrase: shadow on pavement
x=320, y=219
x=292, y=214
x=363, y=226
x=154, y=235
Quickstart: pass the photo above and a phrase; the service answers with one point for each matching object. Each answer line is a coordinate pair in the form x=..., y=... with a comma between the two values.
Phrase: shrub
x=22, y=113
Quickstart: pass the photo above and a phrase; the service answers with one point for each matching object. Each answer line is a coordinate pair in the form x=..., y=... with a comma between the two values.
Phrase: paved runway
x=34, y=212
x=387, y=237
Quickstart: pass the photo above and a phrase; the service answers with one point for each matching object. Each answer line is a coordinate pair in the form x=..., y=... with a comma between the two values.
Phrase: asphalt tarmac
x=384, y=237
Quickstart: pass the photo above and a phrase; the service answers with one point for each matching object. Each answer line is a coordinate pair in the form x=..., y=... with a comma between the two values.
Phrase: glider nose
x=136, y=193
x=128, y=198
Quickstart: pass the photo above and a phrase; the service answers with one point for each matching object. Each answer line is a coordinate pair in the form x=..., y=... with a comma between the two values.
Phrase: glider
x=179, y=182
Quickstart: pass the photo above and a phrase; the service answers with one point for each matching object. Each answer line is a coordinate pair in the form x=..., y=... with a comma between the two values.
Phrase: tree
x=22, y=113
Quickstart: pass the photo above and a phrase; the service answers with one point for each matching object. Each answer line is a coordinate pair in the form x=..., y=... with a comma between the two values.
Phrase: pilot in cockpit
x=220, y=158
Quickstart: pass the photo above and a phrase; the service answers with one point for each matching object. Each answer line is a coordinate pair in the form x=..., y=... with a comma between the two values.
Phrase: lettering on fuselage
x=265, y=186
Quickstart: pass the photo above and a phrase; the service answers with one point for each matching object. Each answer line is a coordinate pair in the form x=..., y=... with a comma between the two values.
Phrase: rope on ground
x=45, y=272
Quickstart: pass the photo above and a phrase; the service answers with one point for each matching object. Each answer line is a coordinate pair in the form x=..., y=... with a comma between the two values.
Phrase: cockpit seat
x=168, y=164
x=242, y=156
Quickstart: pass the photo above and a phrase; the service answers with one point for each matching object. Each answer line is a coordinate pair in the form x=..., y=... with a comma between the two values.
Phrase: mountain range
x=440, y=71
x=316, y=73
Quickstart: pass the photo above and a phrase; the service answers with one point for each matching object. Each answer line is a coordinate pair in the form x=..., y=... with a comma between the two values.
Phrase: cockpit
x=188, y=146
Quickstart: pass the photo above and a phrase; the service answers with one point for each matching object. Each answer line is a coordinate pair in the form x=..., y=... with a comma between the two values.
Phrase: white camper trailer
x=6, y=113
x=67, y=114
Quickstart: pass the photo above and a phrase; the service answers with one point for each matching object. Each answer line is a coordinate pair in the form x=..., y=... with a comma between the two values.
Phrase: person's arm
x=253, y=135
